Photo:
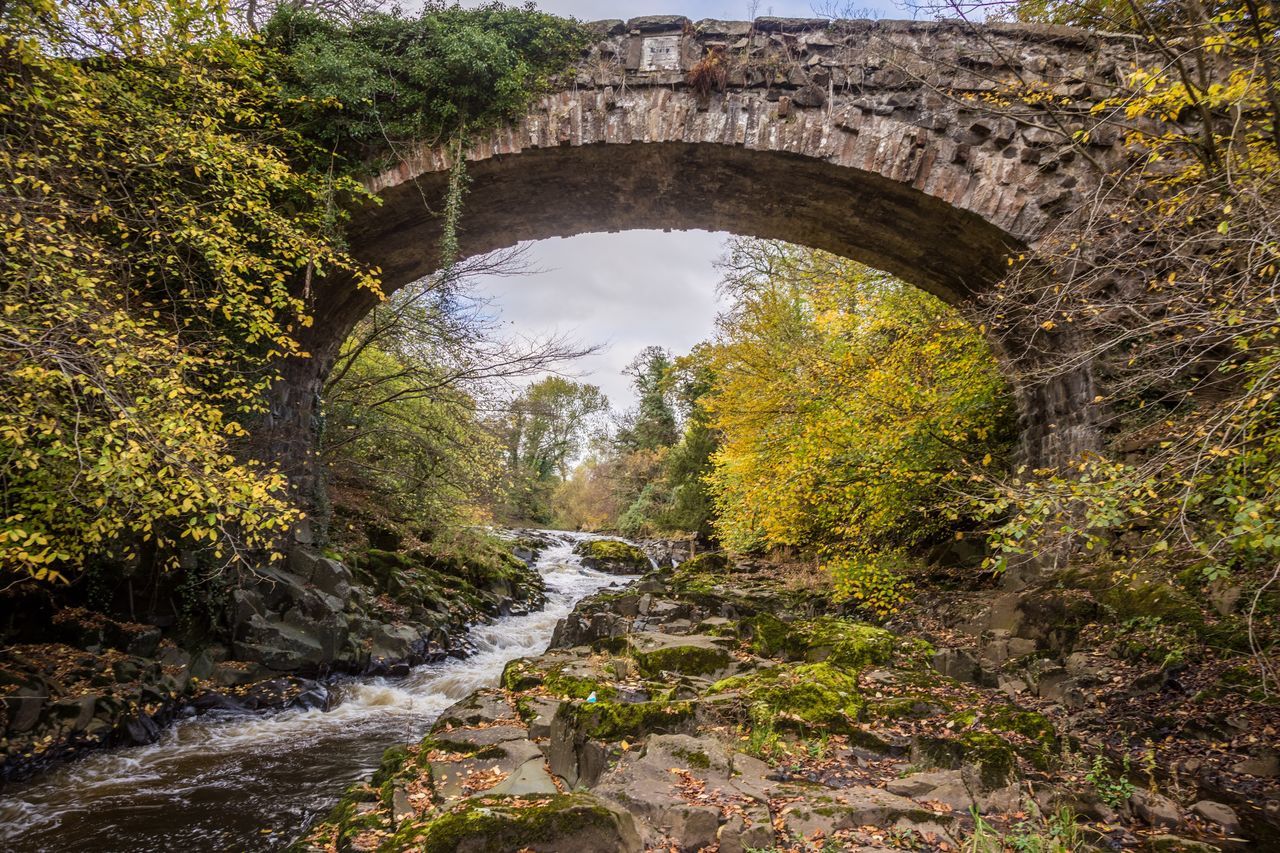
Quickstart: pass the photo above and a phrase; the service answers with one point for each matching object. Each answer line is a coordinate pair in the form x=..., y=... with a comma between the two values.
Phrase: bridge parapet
x=796, y=54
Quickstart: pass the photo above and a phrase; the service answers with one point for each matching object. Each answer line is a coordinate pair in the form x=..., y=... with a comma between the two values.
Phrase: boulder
x=1156, y=810
x=1222, y=816
x=279, y=646
x=550, y=824
x=613, y=557
x=484, y=707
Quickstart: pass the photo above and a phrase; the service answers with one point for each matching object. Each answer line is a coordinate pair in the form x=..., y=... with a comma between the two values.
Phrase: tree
x=847, y=405
x=1167, y=274
x=170, y=192
x=652, y=424
x=155, y=227
x=403, y=438
x=544, y=430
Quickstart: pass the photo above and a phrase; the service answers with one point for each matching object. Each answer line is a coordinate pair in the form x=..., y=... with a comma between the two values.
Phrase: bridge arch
x=865, y=139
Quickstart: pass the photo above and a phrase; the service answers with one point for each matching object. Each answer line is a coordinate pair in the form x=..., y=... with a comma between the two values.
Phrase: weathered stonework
x=869, y=139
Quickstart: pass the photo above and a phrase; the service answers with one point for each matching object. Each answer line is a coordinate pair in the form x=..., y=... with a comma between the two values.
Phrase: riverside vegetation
x=882, y=632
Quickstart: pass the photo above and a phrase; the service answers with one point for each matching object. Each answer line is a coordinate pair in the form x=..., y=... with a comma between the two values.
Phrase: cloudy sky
x=623, y=292
x=630, y=290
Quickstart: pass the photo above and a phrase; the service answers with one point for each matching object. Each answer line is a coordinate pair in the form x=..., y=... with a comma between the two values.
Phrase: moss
x=1042, y=745
x=769, y=634
x=559, y=683
x=1159, y=600
x=992, y=756
x=843, y=643
x=524, y=674
x=802, y=697
x=686, y=660
x=613, y=555
x=502, y=823
x=469, y=585
x=695, y=758
x=610, y=721
x=393, y=762
x=728, y=629
x=521, y=674
x=701, y=574
x=901, y=708
x=827, y=638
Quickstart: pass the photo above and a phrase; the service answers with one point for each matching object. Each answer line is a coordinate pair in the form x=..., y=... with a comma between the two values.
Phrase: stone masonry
x=875, y=140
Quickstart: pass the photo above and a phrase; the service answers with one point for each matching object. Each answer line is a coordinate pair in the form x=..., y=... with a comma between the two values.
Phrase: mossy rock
x=613, y=721
x=344, y=821
x=701, y=574
x=840, y=642
x=577, y=821
x=903, y=708
x=522, y=674
x=1041, y=746
x=685, y=659
x=1153, y=600
x=695, y=758
x=525, y=674
x=991, y=755
x=769, y=634
x=802, y=697
x=613, y=556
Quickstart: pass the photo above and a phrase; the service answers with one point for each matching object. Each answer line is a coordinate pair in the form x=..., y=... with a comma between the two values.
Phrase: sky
x=638, y=288
x=623, y=292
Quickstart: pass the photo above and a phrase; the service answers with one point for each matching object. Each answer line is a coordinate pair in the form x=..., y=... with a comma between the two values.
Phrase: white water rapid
x=253, y=782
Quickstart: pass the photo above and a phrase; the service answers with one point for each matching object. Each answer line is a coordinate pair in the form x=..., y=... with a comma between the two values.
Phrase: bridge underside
x=561, y=192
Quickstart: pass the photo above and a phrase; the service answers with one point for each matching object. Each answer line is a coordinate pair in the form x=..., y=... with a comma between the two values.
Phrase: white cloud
x=626, y=291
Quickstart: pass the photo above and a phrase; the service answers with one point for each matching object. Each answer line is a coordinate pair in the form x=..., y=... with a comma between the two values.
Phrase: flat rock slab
x=529, y=778
x=856, y=807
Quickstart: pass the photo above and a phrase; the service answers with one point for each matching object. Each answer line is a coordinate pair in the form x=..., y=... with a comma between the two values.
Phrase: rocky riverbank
x=729, y=707
x=94, y=681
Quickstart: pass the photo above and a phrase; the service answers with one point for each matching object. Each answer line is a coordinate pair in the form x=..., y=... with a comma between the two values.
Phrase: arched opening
x=560, y=191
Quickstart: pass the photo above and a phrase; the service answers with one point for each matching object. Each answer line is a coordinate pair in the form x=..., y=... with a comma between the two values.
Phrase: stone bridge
x=875, y=140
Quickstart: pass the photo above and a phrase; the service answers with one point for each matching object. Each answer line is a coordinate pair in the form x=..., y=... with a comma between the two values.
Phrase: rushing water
x=252, y=782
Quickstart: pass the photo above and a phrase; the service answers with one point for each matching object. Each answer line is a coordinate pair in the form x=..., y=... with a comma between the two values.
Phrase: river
x=253, y=782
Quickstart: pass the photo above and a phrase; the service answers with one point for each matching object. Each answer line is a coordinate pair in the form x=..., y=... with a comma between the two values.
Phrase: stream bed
x=254, y=782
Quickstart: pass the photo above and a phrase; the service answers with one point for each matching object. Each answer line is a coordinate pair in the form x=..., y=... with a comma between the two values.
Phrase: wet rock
x=484, y=707
x=141, y=729
x=24, y=707
x=279, y=646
